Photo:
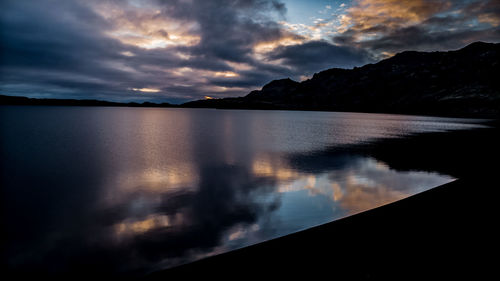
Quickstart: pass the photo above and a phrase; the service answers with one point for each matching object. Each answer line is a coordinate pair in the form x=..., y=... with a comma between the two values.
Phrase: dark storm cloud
x=63, y=49
x=229, y=30
x=57, y=47
x=241, y=24
x=316, y=55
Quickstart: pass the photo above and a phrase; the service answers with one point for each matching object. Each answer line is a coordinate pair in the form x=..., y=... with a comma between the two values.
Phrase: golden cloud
x=226, y=74
x=370, y=18
x=367, y=14
x=492, y=19
x=268, y=46
x=146, y=90
x=145, y=27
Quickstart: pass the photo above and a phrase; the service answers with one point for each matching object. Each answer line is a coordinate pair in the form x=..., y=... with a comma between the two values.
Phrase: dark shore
x=18, y=100
x=446, y=232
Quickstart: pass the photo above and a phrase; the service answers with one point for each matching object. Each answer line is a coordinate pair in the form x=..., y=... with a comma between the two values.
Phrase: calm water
x=132, y=190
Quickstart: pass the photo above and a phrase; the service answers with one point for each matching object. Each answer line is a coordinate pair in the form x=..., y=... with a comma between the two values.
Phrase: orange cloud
x=146, y=90
x=145, y=27
x=375, y=15
x=226, y=74
x=286, y=40
x=491, y=18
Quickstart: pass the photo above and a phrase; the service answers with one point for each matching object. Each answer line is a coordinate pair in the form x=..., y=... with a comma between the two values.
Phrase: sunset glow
x=146, y=90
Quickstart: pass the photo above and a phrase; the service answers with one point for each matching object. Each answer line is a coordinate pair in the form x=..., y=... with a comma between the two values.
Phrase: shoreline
x=25, y=101
x=447, y=231
x=391, y=241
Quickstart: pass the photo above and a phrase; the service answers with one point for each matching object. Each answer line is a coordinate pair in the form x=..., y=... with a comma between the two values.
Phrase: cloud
x=312, y=56
x=387, y=26
x=485, y=11
x=391, y=13
x=59, y=49
x=105, y=49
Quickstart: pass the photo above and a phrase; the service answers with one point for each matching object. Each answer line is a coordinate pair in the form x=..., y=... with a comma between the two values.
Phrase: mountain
x=464, y=82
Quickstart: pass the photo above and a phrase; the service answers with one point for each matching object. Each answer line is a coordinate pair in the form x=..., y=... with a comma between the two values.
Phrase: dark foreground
x=447, y=232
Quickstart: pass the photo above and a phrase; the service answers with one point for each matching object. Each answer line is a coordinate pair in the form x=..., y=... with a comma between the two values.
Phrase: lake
x=127, y=191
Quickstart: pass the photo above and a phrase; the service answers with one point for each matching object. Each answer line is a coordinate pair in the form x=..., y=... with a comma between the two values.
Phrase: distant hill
x=13, y=100
x=465, y=83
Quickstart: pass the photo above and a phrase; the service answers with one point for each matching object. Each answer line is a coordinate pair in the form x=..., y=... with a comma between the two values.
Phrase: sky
x=181, y=50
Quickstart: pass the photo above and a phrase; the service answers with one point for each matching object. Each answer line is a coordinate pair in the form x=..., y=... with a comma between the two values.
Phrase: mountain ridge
x=458, y=83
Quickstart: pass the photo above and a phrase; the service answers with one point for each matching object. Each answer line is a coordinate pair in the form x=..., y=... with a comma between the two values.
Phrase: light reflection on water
x=126, y=190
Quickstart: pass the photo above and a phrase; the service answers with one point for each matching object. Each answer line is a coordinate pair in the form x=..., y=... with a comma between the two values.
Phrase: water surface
x=127, y=191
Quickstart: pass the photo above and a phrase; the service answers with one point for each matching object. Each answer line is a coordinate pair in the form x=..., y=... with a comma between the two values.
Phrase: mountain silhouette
x=464, y=82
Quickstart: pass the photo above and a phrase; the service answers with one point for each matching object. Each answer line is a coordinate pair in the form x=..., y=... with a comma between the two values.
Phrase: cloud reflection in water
x=130, y=190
